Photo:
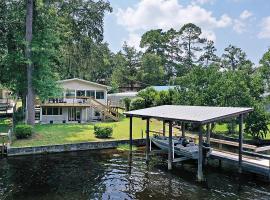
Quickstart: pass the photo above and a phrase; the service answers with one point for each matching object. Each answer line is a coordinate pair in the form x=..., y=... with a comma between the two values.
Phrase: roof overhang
x=84, y=81
x=193, y=114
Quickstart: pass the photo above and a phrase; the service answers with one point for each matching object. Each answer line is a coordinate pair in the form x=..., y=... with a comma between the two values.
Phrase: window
x=51, y=111
x=90, y=93
x=100, y=95
x=70, y=93
x=80, y=93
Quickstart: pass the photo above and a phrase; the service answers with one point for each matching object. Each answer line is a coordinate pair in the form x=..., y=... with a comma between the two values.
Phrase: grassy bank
x=73, y=133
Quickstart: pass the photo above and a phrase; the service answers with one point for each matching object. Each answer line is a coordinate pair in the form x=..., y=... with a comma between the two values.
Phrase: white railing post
x=150, y=144
x=173, y=150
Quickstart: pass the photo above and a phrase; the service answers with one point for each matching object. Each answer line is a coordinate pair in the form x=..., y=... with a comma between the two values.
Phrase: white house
x=82, y=101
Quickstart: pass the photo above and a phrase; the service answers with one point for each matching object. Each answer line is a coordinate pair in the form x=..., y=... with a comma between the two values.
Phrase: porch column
x=170, y=147
x=240, y=151
x=40, y=114
x=164, y=128
x=183, y=129
x=200, y=159
x=208, y=133
x=147, y=139
x=130, y=133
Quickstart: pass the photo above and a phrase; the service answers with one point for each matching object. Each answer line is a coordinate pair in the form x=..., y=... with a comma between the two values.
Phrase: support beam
x=183, y=129
x=170, y=147
x=130, y=133
x=208, y=134
x=200, y=159
x=240, y=151
x=164, y=128
x=147, y=139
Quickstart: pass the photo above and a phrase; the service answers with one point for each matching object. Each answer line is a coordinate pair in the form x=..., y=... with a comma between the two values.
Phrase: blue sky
x=244, y=23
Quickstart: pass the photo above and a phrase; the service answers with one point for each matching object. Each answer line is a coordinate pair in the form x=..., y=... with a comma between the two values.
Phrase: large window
x=51, y=111
x=99, y=95
x=70, y=93
x=80, y=93
x=90, y=93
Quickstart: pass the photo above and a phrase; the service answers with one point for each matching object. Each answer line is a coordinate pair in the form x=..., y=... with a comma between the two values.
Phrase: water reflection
x=111, y=174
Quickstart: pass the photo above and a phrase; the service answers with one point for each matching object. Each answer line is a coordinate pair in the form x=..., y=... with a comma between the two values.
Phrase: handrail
x=249, y=153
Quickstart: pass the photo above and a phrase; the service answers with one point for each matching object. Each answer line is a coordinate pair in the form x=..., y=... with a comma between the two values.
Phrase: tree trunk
x=30, y=99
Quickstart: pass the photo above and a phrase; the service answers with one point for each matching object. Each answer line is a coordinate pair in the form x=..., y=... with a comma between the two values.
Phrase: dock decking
x=251, y=164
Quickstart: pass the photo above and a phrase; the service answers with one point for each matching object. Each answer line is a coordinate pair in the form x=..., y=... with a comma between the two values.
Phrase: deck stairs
x=106, y=110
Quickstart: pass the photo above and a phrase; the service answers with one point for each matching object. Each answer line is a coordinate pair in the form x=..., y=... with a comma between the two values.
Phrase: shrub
x=18, y=115
x=127, y=101
x=23, y=131
x=149, y=96
x=103, y=131
x=137, y=103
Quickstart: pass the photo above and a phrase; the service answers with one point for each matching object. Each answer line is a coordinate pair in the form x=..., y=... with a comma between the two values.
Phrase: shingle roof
x=198, y=114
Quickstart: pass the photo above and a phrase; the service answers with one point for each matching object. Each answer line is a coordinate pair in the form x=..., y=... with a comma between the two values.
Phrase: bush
x=127, y=101
x=23, y=131
x=103, y=131
x=18, y=115
x=137, y=103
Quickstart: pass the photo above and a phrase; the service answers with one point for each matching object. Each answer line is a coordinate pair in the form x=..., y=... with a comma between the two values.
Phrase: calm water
x=108, y=175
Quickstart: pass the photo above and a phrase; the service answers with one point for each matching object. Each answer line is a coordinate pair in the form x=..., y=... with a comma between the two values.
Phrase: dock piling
x=170, y=147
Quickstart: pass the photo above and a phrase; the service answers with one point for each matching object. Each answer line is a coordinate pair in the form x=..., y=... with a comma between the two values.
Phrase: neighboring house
x=164, y=87
x=82, y=101
x=6, y=102
x=116, y=99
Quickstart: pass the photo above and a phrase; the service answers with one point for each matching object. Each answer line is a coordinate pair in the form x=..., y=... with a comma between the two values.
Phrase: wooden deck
x=250, y=164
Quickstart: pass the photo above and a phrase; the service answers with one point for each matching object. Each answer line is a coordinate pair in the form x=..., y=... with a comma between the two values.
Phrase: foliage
x=149, y=95
x=127, y=102
x=23, y=131
x=18, y=115
x=256, y=122
x=103, y=131
x=137, y=103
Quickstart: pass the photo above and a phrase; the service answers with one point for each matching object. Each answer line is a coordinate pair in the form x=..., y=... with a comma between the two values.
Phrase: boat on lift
x=182, y=146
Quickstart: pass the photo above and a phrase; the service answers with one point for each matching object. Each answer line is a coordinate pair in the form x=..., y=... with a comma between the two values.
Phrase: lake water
x=107, y=174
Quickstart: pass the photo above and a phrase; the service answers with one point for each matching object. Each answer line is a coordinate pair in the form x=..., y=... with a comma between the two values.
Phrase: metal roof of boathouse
x=195, y=114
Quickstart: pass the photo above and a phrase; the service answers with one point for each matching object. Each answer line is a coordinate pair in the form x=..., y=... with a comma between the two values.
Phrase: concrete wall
x=13, y=151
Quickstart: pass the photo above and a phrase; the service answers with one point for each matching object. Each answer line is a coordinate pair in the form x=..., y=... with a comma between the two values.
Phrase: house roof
x=84, y=81
x=124, y=94
x=163, y=87
x=196, y=114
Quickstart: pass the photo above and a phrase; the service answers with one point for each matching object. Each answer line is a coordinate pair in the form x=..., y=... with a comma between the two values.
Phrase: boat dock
x=203, y=116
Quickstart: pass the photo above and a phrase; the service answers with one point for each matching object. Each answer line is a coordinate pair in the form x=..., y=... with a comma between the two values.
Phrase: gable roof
x=84, y=81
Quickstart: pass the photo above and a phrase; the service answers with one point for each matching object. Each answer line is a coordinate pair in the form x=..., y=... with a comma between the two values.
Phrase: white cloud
x=165, y=14
x=240, y=24
x=245, y=14
x=201, y=2
x=265, y=28
x=133, y=40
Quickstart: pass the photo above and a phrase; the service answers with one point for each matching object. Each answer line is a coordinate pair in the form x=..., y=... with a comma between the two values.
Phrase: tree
x=30, y=100
x=152, y=70
x=127, y=69
x=191, y=43
x=235, y=59
x=264, y=69
x=208, y=57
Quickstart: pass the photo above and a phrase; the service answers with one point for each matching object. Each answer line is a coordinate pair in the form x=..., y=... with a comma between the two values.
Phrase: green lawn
x=4, y=125
x=74, y=133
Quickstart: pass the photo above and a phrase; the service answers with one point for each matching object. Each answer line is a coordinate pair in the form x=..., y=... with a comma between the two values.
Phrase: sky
x=243, y=23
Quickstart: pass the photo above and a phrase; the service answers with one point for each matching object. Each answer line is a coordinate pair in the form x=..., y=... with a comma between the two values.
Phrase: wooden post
x=183, y=129
x=147, y=139
x=164, y=128
x=170, y=147
x=130, y=133
x=200, y=159
x=240, y=143
x=208, y=134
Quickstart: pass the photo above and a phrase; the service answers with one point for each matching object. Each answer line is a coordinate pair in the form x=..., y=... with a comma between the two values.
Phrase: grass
x=4, y=125
x=74, y=133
